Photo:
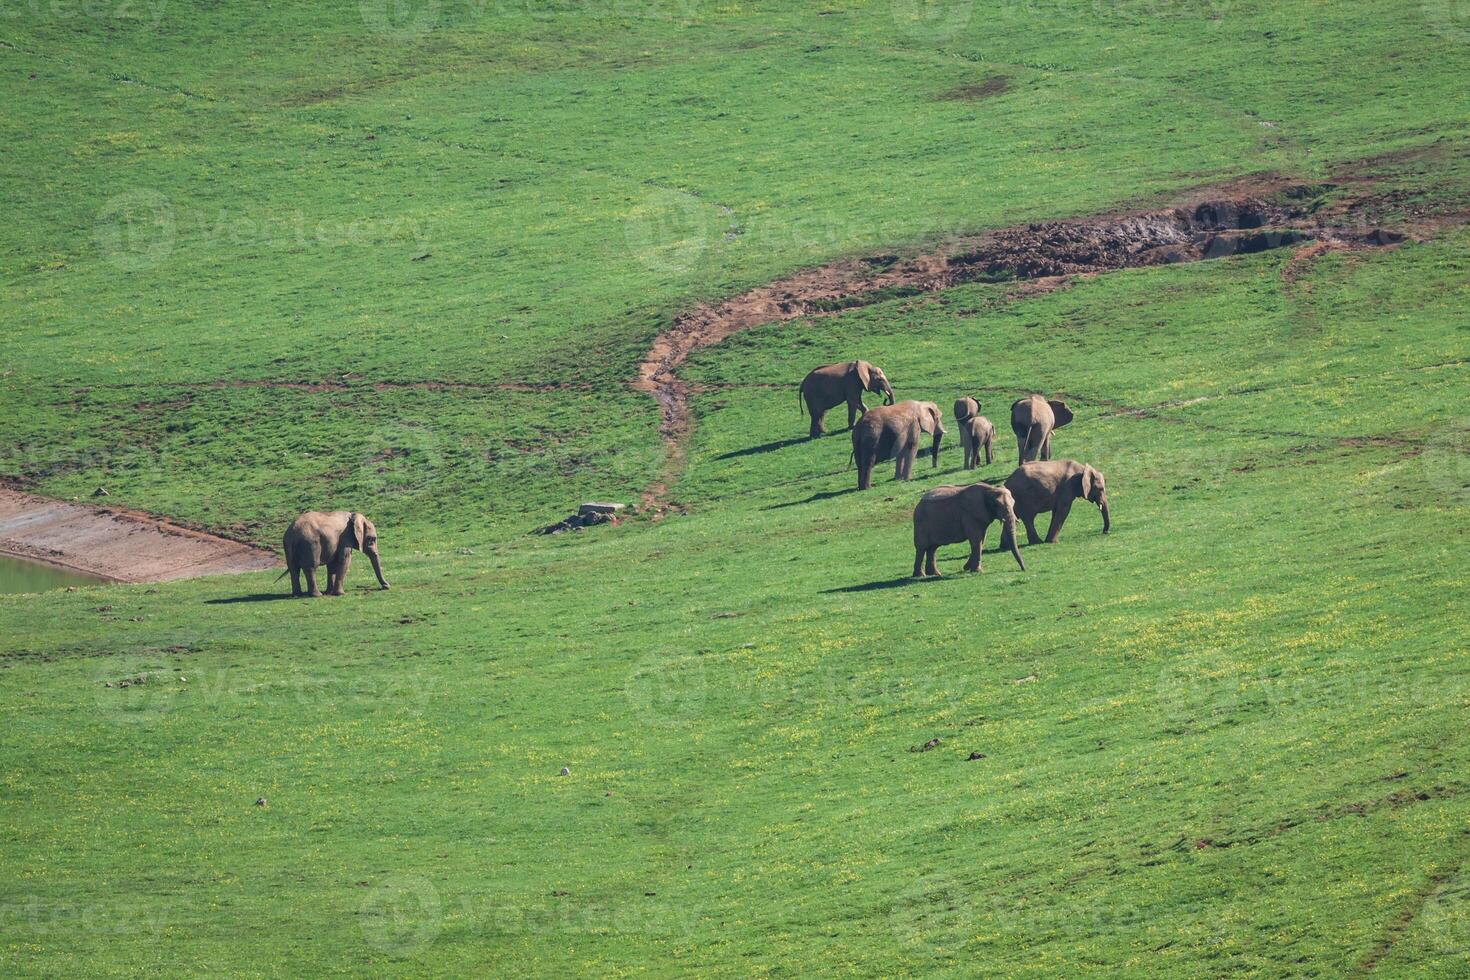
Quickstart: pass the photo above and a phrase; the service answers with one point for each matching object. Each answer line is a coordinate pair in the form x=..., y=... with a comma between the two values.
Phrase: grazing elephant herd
x=952, y=514
x=894, y=430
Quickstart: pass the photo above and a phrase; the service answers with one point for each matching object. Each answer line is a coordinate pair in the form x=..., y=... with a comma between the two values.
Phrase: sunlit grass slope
x=1226, y=737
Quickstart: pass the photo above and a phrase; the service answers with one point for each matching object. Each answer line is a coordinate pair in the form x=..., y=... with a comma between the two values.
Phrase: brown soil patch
x=991, y=87
x=1238, y=217
x=115, y=544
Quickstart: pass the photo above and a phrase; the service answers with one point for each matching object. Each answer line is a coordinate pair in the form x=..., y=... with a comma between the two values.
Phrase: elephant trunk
x=887, y=393
x=377, y=567
x=1102, y=505
x=1008, y=541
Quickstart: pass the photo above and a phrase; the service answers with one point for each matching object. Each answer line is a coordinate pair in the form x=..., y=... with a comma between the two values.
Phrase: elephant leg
x=295, y=581
x=929, y=566
x=988, y=458
x=1031, y=536
x=337, y=574
x=918, y=561
x=977, y=545
x=817, y=413
x=311, y=588
x=1058, y=517
x=1046, y=447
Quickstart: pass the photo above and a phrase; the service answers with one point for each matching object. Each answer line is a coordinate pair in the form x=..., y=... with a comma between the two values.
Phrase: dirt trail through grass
x=1239, y=217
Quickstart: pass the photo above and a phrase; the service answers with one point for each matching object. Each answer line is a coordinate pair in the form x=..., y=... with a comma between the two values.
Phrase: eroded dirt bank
x=117, y=545
x=1239, y=217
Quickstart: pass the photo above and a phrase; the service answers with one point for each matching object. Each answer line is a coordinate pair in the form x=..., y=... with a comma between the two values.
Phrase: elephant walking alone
x=949, y=515
x=1051, y=486
x=976, y=432
x=1032, y=420
x=316, y=538
x=894, y=432
x=830, y=385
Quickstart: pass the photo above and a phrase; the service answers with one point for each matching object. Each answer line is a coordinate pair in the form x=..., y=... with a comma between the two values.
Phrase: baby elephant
x=1051, y=486
x=949, y=515
x=975, y=431
x=316, y=539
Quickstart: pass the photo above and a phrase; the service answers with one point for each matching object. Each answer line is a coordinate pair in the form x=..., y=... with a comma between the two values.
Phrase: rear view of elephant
x=832, y=384
x=894, y=432
x=1032, y=420
x=1050, y=487
x=316, y=538
x=975, y=431
x=949, y=515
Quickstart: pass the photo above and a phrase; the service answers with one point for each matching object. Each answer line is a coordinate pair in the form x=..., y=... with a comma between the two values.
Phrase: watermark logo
x=669, y=230
x=1446, y=916
x=133, y=693
x=400, y=20
x=1448, y=18
x=402, y=916
x=402, y=459
x=931, y=20
x=136, y=230
x=1446, y=459
x=667, y=690
x=935, y=910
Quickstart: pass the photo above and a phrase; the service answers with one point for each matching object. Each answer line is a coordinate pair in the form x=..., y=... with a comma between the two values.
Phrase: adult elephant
x=894, y=432
x=976, y=432
x=1051, y=486
x=949, y=515
x=831, y=384
x=316, y=538
x=1032, y=420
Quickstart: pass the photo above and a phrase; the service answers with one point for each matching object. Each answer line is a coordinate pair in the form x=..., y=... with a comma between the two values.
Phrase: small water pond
x=17, y=575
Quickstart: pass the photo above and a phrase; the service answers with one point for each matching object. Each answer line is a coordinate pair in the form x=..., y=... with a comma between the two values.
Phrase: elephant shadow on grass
x=768, y=447
x=257, y=597
x=895, y=583
x=814, y=498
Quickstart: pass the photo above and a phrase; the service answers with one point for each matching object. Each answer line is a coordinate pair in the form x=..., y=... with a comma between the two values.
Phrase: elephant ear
x=1084, y=483
x=929, y=419
x=357, y=524
x=863, y=372
x=1061, y=411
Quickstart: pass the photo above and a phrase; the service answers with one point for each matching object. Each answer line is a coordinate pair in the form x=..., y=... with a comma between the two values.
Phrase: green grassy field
x=404, y=259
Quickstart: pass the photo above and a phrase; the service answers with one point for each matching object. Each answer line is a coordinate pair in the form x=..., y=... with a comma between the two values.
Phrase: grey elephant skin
x=830, y=385
x=316, y=538
x=976, y=431
x=895, y=432
x=949, y=515
x=1033, y=419
x=1051, y=486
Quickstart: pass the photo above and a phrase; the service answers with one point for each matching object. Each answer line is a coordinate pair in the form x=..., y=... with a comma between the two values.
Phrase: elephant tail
x=1026, y=443
x=280, y=576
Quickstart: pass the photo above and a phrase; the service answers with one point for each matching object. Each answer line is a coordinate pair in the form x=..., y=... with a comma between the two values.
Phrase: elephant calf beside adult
x=328, y=539
x=949, y=515
x=976, y=432
x=894, y=432
x=1032, y=420
x=1051, y=486
x=830, y=385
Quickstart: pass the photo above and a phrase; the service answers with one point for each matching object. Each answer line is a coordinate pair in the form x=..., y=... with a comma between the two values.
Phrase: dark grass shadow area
x=891, y=583
x=768, y=447
x=824, y=495
x=257, y=597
